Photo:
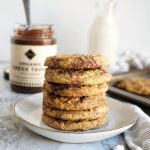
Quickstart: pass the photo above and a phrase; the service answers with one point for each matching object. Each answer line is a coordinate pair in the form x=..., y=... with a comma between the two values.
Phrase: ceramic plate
x=29, y=111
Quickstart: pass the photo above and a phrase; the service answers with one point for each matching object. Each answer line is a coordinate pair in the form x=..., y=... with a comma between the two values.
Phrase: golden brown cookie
x=74, y=115
x=76, y=103
x=82, y=77
x=77, y=61
x=137, y=86
x=74, y=90
x=75, y=125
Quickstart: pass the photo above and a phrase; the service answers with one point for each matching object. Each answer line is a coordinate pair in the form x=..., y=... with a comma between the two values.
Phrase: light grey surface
x=14, y=136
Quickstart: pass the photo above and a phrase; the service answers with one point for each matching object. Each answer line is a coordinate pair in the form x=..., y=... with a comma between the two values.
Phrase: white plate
x=29, y=111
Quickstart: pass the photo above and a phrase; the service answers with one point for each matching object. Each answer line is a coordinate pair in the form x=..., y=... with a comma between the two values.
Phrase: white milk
x=103, y=38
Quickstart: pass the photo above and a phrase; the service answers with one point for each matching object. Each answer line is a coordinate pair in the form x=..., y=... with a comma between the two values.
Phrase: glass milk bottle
x=103, y=36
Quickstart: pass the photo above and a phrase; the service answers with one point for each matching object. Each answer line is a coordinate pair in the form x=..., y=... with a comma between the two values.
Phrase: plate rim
x=69, y=132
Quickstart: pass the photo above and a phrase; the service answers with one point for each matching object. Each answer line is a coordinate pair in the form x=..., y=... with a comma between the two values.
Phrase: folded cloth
x=130, y=60
x=138, y=136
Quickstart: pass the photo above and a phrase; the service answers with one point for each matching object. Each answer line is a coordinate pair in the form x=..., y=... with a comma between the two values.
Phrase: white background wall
x=72, y=20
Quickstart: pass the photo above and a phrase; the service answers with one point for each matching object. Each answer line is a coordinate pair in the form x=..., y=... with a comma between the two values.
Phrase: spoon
x=27, y=12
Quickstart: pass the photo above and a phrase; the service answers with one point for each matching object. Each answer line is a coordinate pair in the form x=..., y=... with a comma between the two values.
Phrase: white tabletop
x=14, y=136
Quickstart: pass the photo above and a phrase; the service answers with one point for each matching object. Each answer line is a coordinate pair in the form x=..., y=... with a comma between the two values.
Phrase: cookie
x=77, y=61
x=75, y=125
x=76, y=115
x=76, y=103
x=137, y=86
x=82, y=77
x=70, y=90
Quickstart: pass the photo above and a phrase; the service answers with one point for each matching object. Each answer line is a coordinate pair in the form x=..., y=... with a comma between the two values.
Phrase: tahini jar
x=29, y=49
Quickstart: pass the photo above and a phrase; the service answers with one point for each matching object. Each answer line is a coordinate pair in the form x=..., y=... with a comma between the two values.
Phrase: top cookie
x=77, y=61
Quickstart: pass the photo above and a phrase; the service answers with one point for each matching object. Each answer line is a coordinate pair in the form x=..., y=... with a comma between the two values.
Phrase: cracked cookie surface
x=75, y=115
x=81, y=77
x=137, y=86
x=77, y=61
x=69, y=90
x=75, y=125
x=76, y=103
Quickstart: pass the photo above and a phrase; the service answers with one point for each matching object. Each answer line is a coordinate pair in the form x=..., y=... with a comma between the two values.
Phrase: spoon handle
x=27, y=11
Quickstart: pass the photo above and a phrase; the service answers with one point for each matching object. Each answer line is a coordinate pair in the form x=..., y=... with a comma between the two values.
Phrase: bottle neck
x=111, y=7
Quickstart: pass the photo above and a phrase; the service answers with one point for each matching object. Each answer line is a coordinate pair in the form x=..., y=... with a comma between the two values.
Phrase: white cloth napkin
x=131, y=60
x=138, y=136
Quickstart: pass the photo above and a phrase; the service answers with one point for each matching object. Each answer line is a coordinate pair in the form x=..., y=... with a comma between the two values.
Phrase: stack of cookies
x=74, y=92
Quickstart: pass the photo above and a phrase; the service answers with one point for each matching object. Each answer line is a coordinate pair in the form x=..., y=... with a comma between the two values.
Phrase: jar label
x=27, y=64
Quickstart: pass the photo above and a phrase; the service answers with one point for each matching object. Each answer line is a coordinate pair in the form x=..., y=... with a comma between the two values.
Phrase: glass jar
x=29, y=49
